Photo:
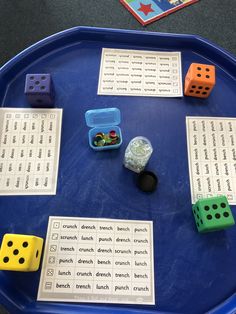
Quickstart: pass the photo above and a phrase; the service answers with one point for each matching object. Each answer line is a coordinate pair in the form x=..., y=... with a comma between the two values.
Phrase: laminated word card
x=98, y=260
x=29, y=150
x=212, y=157
x=140, y=73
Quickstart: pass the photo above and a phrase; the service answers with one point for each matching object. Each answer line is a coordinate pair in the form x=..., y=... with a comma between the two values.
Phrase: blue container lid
x=102, y=117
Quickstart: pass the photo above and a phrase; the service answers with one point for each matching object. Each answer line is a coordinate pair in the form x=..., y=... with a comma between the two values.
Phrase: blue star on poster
x=148, y=11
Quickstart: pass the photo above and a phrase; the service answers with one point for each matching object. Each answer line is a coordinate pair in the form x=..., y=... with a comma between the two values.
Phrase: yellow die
x=20, y=252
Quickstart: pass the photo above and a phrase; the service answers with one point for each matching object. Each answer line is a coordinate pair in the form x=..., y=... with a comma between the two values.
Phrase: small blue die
x=39, y=90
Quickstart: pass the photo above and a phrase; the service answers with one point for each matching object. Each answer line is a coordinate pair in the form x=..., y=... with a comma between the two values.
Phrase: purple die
x=39, y=90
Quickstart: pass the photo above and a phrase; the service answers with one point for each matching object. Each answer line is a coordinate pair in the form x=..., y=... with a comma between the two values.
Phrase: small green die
x=212, y=214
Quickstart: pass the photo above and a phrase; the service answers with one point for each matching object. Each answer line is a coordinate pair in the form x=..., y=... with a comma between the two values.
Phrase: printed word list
x=29, y=150
x=98, y=260
x=212, y=157
x=140, y=73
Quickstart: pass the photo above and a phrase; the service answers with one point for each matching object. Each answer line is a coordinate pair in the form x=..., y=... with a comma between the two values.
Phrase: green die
x=212, y=214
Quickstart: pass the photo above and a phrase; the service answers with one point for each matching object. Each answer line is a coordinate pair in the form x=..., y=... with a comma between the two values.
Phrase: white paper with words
x=212, y=157
x=29, y=150
x=98, y=260
x=140, y=73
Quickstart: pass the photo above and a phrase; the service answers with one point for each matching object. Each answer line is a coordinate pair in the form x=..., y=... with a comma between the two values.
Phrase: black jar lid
x=147, y=181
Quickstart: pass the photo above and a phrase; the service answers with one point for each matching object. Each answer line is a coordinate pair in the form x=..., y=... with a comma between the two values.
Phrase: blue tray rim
x=84, y=29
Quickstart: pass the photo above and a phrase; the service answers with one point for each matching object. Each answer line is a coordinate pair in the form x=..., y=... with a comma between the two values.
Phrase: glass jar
x=137, y=154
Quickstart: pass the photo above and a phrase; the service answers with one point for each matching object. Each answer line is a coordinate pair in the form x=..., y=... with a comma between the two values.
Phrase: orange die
x=199, y=80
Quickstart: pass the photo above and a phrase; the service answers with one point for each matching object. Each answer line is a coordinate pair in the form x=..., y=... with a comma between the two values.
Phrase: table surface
x=25, y=22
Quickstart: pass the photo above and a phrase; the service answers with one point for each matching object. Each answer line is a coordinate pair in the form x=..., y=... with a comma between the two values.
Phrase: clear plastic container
x=137, y=154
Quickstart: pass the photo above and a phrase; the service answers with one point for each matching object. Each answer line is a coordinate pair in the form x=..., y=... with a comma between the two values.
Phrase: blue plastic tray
x=194, y=273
